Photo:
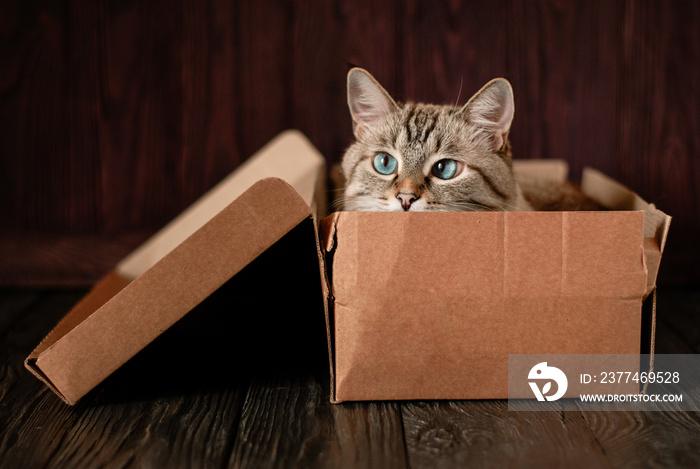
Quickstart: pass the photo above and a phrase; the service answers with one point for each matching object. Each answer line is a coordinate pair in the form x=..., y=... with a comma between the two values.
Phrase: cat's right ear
x=369, y=103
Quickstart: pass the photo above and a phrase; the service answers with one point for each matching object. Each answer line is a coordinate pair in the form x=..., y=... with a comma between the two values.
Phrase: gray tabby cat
x=425, y=157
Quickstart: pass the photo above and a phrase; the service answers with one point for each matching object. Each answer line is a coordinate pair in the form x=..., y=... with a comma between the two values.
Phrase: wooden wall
x=115, y=115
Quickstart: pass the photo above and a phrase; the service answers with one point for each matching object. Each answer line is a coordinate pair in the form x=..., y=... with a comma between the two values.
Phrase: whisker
x=458, y=206
x=459, y=93
x=506, y=207
x=336, y=205
x=361, y=203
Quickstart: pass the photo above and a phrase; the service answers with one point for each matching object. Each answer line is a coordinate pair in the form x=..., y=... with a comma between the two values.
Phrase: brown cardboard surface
x=181, y=265
x=100, y=294
x=446, y=297
x=553, y=170
x=613, y=195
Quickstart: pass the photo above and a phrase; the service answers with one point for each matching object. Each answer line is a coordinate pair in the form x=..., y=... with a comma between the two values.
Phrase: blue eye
x=384, y=163
x=447, y=169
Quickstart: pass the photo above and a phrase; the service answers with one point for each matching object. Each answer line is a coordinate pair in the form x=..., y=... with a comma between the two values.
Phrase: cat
x=427, y=157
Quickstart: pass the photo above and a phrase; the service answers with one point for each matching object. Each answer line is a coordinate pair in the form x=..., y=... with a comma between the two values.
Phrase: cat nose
x=406, y=198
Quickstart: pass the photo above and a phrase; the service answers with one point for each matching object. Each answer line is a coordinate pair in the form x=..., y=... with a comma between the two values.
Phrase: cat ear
x=492, y=109
x=367, y=100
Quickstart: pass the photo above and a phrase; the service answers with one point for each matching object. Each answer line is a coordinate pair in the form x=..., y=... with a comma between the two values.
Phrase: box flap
x=109, y=286
x=614, y=196
x=547, y=170
x=289, y=156
x=182, y=264
x=89, y=345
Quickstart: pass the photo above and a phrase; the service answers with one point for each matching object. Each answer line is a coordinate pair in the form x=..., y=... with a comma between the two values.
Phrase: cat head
x=424, y=157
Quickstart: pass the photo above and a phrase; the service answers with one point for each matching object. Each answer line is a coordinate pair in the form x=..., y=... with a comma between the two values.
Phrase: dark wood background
x=115, y=115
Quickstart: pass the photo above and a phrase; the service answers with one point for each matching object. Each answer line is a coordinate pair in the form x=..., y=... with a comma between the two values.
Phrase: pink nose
x=406, y=198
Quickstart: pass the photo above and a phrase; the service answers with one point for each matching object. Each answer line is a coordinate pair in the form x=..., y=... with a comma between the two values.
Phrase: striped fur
x=418, y=136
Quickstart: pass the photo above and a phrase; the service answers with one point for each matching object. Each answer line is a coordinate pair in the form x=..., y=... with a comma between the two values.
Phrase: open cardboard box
x=417, y=305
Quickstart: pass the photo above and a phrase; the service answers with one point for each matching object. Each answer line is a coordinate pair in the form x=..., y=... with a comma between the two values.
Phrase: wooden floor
x=166, y=410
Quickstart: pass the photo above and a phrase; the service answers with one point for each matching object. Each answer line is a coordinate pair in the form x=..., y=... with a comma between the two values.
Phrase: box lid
x=181, y=265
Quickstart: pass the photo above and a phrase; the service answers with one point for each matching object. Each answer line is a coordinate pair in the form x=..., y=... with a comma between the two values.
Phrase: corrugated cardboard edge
x=326, y=237
x=110, y=285
x=172, y=287
x=613, y=195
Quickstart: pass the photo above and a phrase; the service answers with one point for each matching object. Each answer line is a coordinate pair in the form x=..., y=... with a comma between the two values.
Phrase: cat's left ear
x=492, y=108
x=369, y=103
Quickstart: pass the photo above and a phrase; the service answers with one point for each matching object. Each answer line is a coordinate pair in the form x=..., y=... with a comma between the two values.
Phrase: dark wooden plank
x=319, y=33
x=87, y=71
x=563, y=60
x=641, y=439
x=327, y=38
x=169, y=432
x=115, y=114
x=367, y=33
x=209, y=103
x=289, y=422
x=33, y=115
x=658, y=96
x=485, y=434
x=262, y=72
x=12, y=306
x=370, y=435
x=660, y=439
x=50, y=260
x=449, y=50
x=152, y=104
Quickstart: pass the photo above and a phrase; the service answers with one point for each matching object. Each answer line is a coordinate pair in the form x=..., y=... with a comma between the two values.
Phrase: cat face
x=423, y=157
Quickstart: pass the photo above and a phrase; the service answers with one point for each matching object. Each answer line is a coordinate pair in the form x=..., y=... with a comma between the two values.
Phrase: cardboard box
x=417, y=305
x=430, y=305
